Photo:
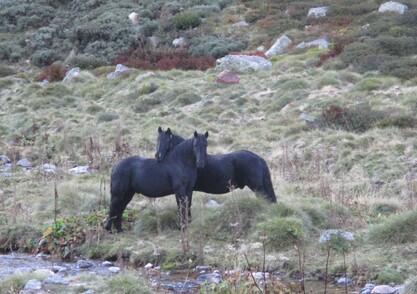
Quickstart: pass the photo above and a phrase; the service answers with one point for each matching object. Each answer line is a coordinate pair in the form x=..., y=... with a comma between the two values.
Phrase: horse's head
x=200, y=148
x=163, y=143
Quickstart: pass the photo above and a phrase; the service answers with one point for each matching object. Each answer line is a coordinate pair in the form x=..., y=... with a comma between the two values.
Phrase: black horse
x=223, y=172
x=175, y=175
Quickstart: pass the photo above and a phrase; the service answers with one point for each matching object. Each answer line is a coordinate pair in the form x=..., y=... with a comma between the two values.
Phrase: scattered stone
x=209, y=278
x=241, y=23
x=367, y=289
x=71, y=74
x=84, y=264
x=24, y=163
x=260, y=275
x=203, y=268
x=179, y=42
x=383, y=289
x=317, y=12
x=134, y=17
x=120, y=70
x=243, y=64
x=343, y=281
x=227, y=77
x=114, y=269
x=4, y=159
x=144, y=76
x=49, y=168
x=393, y=6
x=319, y=43
x=306, y=117
x=78, y=170
x=107, y=263
x=279, y=46
x=33, y=285
x=44, y=83
x=56, y=280
x=261, y=48
x=212, y=204
x=148, y=266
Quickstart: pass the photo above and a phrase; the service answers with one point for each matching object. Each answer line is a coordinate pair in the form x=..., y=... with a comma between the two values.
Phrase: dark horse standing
x=175, y=175
x=223, y=172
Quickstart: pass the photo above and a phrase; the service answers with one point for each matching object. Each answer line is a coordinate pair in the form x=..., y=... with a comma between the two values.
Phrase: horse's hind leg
x=117, y=206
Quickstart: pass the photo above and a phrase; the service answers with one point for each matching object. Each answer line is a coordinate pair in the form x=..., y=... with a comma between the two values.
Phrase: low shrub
x=154, y=60
x=85, y=62
x=404, y=68
x=388, y=276
x=53, y=73
x=216, y=46
x=10, y=51
x=398, y=229
x=186, y=20
x=127, y=282
x=45, y=57
x=6, y=71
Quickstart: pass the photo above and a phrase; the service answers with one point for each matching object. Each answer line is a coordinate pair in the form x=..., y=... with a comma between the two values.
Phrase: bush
x=215, y=46
x=6, y=71
x=398, y=229
x=281, y=232
x=149, y=28
x=9, y=51
x=85, y=61
x=388, y=275
x=45, y=57
x=356, y=119
x=186, y=20
x=53, y=73
x=403, y=68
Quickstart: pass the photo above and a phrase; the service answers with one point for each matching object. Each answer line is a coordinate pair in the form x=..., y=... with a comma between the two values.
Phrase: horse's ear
x=195, y=134
x=206, y=134
x=169, y=131
x=159, y=130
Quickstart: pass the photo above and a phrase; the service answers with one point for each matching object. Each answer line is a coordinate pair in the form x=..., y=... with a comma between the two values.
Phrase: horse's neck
x=184, y=151
x=176, y=140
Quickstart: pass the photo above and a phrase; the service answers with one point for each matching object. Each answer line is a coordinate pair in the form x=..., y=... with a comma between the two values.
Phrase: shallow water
x=170, y=281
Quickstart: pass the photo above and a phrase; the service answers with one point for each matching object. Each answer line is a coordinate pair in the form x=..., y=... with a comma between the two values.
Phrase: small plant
x=53, y=73
x=186, y=20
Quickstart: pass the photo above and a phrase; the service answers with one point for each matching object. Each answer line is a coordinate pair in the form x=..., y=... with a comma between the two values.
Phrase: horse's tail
x=267, y=184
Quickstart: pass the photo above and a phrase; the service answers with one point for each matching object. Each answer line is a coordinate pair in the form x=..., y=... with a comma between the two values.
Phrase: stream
x=168, y=281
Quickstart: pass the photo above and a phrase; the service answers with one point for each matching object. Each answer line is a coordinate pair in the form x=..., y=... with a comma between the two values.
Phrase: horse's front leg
x=184, y=213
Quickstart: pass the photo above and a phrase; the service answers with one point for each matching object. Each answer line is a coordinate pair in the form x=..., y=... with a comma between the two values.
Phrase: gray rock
x=107, y=263
x=383, y=289
x=209, y=278
x=144, y=76
x=71, y=74
x=114, y=269
x=306, y=117
x=203, y=268
x=319, y=43
x=327, y=235
x=84, y=264
x=241, y=23
x=120, y=70
x=317, y=12
x=49, y=168
x=44, y=83
x=260, y=275
x=279, y=46
x=227, y=77
x=343, y=281
x=4, y=159
x=56, y=280
x=24, y=163
x=243, y=64
x=78, y=170
x=179, y=42
x=33, y=285
x=393, y=6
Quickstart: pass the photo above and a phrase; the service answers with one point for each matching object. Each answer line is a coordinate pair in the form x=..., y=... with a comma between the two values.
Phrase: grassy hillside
x=352, y=168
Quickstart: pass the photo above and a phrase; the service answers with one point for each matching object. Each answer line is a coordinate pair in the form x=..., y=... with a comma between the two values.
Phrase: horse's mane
x=175, y=140
x=182, y=147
